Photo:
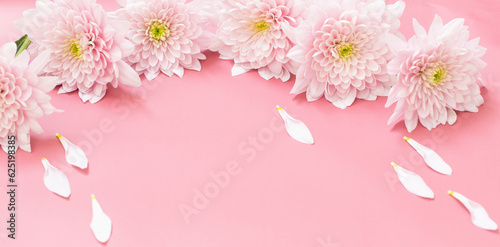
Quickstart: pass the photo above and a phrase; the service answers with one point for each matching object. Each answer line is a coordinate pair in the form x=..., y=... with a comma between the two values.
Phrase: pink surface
x=151, y=149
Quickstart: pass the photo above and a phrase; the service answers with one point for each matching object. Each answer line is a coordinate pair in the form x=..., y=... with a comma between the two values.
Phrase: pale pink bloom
x=437, y=74
x=23, y=97
x=253, y=33
x=342, y=50
x=167, y=35
x=86, y=46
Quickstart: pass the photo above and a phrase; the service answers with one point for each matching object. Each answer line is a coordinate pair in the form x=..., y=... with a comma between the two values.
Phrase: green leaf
x=22, y=44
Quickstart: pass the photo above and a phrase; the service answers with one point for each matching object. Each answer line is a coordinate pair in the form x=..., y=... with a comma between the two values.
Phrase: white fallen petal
x=101, y=223
x=478, y=214
x=413, y=182
x=431, y=158
x=74, y=154
x=296, y=128
x=55, y=180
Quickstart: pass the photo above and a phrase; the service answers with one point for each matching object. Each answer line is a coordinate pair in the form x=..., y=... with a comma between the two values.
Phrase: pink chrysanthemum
x=437, y=74
x=86, y=45
x=167, y=35
x=22, y=95
x=253, y=33
x=342, y=50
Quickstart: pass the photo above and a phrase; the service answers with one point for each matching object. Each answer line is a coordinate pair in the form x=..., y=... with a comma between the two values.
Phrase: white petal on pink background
x=86, y=46
x=55, y=180
x=74, y=154
x=479, y=216
x=413, y=182
x=101, y=224
x=431, y=158
x=296, y=128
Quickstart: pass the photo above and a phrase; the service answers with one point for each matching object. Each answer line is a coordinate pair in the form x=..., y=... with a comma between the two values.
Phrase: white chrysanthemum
x=23, y=97
x=342, y=50
x=254, y=33
x=167, y=35
x=86, y=46
x=437, y=74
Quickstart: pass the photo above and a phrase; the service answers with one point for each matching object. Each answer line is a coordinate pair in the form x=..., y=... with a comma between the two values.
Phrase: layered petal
x=23, y=97
x=438, y=73
x=84, y=44
x=342, y=50
x=166, y=35
x=256, y=34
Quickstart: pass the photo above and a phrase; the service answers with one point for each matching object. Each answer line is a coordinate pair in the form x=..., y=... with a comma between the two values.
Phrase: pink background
x=151, y=148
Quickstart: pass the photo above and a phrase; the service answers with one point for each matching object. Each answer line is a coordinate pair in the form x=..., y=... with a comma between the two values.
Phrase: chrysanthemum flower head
x=255, y=34
x=438, y=73
x=23, y=97
x=342, y=51
x=167, y=36
x=86, y=46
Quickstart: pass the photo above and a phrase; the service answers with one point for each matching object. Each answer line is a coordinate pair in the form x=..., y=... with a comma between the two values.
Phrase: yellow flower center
x=74, y=49
x=158, y=31
x=436, y=75
x=345, y=50
x=260, y=27
x=440, y=75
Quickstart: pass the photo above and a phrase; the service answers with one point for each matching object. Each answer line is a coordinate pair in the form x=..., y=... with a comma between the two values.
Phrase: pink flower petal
x=128, y=76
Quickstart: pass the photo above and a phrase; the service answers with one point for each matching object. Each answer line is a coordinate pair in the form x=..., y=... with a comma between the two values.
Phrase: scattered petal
x=479, y=216
x=74, y=154
x=55, y=180
x=47, y=83
x=101, y=223
x=431, y=158
x=296, y=128
x=413, y=182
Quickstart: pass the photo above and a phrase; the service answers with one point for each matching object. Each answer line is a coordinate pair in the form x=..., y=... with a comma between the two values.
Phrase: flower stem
x=22, y=44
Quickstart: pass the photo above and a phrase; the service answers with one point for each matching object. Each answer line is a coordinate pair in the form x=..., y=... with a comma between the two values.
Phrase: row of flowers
x=340, y=49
